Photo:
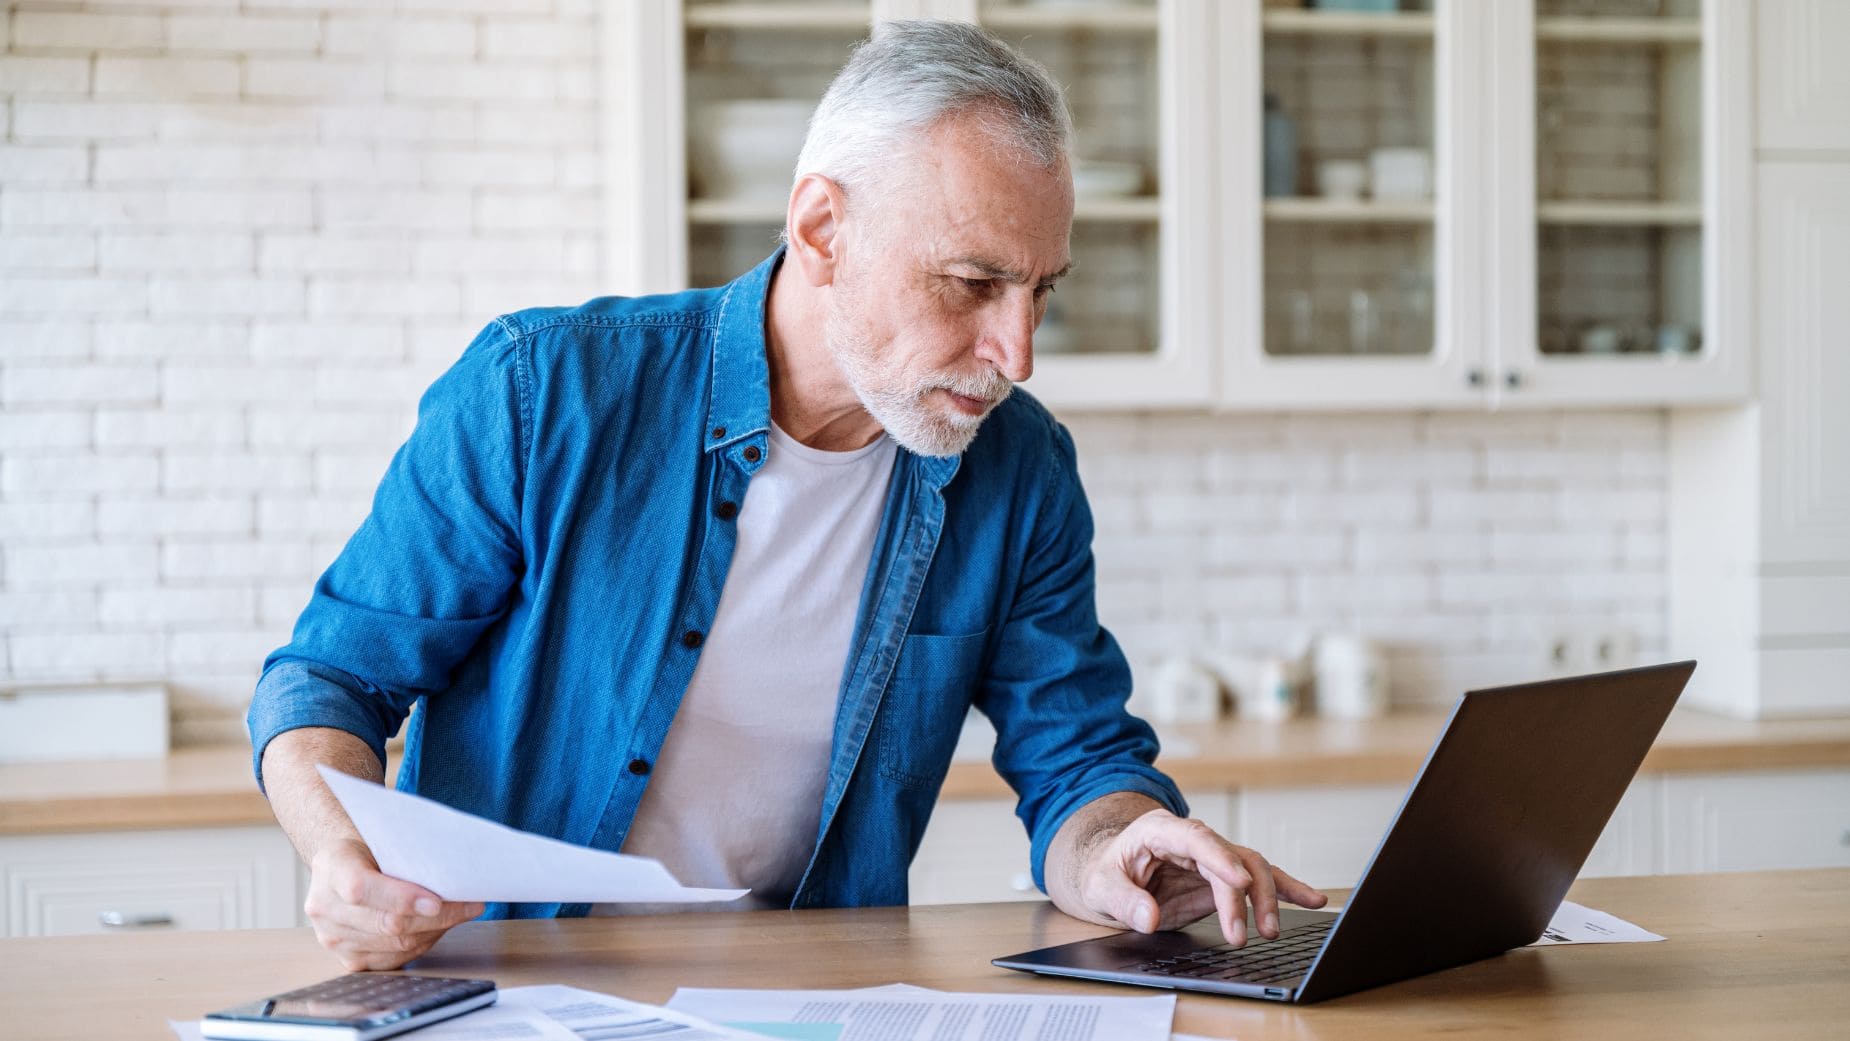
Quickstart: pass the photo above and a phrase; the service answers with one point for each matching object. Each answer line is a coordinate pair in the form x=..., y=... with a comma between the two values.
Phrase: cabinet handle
x=1474, y=377
x=148, y=920
x=1512, y=379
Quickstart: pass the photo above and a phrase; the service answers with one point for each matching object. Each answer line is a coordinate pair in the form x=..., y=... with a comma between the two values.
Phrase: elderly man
x=715, y=577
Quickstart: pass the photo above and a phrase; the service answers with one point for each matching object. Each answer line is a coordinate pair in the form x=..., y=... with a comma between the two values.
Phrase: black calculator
x=358, y=1007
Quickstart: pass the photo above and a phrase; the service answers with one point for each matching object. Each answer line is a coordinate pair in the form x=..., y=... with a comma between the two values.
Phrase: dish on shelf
x=1097, y=179
x=746, y=148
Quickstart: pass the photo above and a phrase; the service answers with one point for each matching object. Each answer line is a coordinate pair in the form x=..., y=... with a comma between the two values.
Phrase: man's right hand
x=371, y=920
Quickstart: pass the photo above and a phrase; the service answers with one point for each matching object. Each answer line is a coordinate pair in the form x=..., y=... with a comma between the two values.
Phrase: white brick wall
x=1466, y=543
x=237, y=239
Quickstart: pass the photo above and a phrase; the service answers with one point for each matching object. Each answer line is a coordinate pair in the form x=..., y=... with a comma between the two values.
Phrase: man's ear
x=814, y=225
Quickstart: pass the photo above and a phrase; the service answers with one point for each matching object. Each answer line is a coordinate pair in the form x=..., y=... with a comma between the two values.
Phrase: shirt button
x=691, y=638
x=727, y=510
x=639, y=766
x=751, y=453
x=719, y=432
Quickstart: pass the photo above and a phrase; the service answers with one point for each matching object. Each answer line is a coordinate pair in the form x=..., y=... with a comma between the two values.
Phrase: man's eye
x=978, y=284
x=1043, y=292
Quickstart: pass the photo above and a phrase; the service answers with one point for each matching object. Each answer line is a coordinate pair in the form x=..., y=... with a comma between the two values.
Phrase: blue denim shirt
x=546, y=551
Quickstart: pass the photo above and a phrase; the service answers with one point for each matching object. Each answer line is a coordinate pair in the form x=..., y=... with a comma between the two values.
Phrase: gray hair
x=912, y=74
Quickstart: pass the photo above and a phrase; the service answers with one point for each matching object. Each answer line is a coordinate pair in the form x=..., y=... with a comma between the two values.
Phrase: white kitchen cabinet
x=202, y=878
x=698, y=182
x=1632, y=843
x=976, y=851
x=1586, y=238
x=1760, y=498
x=1322, y=835
x=1756, y=821
x=1196, y=288
x=1804, y=83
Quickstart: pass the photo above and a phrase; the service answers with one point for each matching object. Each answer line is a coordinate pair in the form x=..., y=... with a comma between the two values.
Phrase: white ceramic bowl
x=746, y=149
x=1095, y=179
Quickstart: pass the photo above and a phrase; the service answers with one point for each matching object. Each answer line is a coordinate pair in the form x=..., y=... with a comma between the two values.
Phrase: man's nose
x=1009, y=343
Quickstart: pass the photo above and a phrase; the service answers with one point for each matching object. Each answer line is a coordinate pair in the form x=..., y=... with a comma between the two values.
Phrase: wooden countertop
x=206, y=787
x=1759, y=955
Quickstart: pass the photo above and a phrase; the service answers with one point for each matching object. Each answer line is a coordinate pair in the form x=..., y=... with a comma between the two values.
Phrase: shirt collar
x=739, y=390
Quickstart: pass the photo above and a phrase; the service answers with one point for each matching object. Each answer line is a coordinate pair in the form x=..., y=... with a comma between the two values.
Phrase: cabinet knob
x=144, y=920
x=1024, y=882
x=1512, y=379
x=1474, y=377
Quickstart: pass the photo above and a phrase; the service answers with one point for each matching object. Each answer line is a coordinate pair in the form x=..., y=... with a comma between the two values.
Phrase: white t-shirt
x=735, y=797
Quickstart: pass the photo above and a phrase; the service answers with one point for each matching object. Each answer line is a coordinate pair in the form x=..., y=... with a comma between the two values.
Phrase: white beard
x=905, y=410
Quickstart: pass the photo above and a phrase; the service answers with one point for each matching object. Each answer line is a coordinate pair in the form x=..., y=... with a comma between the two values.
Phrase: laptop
x=1479, y=856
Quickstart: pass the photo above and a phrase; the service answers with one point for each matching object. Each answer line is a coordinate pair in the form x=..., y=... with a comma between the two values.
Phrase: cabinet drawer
x=1757, y=821
x=975, y=851
x=203, y=878
x=1323, y=836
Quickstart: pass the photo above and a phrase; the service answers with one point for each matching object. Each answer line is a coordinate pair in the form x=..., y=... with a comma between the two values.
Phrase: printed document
x=1573, y=923
x=903, y=1013
x=460, y=856
x=590, y=1016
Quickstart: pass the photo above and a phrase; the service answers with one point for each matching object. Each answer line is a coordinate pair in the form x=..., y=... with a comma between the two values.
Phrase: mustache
x=991, y=386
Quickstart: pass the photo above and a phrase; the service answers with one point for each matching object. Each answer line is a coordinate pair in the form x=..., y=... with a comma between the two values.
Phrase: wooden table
x=1750, y=956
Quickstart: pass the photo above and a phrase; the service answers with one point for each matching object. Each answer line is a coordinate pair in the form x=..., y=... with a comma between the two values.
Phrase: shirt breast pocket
x=934, y=681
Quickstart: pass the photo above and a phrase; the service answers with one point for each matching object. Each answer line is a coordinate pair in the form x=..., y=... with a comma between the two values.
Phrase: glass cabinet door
x=754, y=73
x=1115, y=333
x=1613, y=295
x=1618, y=177
x=1347, y=160
x=1344, y=146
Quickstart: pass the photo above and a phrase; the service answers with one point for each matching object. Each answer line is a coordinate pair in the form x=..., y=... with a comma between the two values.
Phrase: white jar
x=1182, y=691
x=1263, y=688
x=1352, y=677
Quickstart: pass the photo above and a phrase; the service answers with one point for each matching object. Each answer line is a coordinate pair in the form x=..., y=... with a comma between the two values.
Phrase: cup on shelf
x=1281, y=149
x=1351, y=677
x=1364, y=323
x=1678, y=339
x=1345, y=179
x=1400, y=174
x=1101, y=179
x=747, y=148
x=1599, y=338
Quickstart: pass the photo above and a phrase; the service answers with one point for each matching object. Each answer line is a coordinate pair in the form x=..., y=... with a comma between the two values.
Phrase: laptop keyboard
x=1273, y=961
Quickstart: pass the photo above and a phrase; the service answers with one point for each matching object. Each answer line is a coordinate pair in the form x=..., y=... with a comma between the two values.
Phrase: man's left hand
x=1160, y=871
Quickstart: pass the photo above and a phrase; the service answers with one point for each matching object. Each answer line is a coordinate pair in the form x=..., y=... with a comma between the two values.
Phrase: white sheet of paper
x=498, y=1022
x=912, y=1014
x=460, y=856
x=588, y=1014
x=1573, y=923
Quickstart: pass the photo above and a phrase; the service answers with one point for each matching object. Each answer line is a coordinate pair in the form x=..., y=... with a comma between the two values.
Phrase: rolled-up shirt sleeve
x=426, y=574
x=1057, y=682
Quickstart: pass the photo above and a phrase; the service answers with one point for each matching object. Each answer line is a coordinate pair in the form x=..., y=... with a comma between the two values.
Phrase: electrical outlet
x=1613, y=649
x=1572, y=652
x=1564, y=653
